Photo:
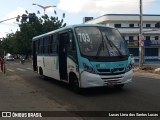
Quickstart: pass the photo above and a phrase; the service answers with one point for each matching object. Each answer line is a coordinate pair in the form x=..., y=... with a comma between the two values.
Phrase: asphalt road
x=143, y=94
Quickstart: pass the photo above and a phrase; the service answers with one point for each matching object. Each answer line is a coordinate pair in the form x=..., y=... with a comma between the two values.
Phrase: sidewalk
x=1, y=73
x=147, y=74
x=148, y=70
x=152, y=64
x=17, y=94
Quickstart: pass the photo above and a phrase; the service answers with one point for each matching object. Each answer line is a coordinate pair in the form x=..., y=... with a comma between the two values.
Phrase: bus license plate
x=111, y=83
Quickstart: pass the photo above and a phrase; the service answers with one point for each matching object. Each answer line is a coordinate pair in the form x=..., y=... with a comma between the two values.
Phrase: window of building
x=151, y=51
x=130, y=37
x=147, y=37
x=117, y=25
x=156, y=37
x=148, y=25
x=157, y=25
x=131, y=25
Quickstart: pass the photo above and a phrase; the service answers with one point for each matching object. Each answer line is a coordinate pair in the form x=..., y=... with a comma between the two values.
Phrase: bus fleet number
x=84, y=37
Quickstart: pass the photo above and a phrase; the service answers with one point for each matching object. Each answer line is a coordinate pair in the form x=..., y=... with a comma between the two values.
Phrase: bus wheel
x=119, y=86
x=41, y=73
x=75, y=84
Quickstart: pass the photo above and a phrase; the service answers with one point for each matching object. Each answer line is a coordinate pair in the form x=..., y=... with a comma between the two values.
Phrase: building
x=128, y=25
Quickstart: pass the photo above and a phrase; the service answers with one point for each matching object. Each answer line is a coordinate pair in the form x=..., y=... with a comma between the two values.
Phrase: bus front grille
x=112, y=80
x=114, y=70
x=103, y=70
x=104, y=74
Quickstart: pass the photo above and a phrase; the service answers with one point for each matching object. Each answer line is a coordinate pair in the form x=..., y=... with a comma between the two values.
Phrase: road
x=143, y=94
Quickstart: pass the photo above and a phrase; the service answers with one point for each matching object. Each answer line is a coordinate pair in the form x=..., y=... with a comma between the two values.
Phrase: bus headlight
x=88, y=68
x=129, y=67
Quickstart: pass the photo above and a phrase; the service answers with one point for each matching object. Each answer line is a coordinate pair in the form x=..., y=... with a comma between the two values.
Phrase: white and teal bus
x=83, y=56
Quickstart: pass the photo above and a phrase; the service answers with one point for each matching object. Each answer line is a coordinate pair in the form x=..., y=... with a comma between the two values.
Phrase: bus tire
x=119, y=86
x=76, y=87
x=41, y=73
x=75, y=84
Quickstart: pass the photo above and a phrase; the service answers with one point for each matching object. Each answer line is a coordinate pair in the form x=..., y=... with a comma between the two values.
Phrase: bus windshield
x=101, y=42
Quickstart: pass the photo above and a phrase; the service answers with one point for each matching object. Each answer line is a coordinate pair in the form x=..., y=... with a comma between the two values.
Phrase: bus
x=85, y=55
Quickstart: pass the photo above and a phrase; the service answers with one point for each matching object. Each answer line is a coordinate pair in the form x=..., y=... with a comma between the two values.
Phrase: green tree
x=30, y=25
x=1, y=48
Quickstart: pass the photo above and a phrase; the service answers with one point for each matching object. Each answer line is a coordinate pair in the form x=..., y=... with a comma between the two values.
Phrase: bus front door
x=63, y=56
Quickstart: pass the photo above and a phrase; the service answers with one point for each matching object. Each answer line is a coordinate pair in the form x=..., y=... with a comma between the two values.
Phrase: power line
x=8, y=19
x=3, y=21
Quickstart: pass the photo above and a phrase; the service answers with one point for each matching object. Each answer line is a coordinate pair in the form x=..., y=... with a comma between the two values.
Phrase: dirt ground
x=147, y=69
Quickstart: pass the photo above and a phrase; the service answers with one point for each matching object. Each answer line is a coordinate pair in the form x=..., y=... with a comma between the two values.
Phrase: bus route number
x=84, y=37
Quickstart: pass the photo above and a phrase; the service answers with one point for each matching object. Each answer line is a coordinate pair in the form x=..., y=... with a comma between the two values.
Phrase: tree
x=30, y=25
x=1, y=48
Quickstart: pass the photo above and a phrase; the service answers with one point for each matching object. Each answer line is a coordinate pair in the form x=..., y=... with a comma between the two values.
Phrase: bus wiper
x=100, y=47
x=99, y=50
x=112, y=44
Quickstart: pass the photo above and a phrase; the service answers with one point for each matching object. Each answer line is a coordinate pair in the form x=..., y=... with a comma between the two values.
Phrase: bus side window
x=72, y=47
x=45, y=45
x=38, y=51
x=36, y=46
x=41, y=46
x=50, y=44
x=54, y=43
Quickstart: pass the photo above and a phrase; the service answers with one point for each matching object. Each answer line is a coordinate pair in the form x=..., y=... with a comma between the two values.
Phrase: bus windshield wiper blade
x=100, y=46
x=110, y=42
x=99, y=49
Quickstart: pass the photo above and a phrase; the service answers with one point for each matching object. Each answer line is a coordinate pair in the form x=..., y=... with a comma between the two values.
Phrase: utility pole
x=141, y=38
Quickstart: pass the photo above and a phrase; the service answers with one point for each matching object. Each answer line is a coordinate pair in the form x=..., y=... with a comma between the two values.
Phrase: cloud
x=9, y=26
x=103, y=6
x=51, y=9
x=15, y=13
x=2, y=33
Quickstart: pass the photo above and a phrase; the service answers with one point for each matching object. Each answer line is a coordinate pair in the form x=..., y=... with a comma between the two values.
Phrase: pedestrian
x=1, y=63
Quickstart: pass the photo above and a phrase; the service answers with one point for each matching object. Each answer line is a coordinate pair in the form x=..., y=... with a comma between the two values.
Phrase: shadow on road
x=86, y=91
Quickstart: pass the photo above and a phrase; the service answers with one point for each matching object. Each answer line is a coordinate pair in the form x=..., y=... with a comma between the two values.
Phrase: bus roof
x=67, y=27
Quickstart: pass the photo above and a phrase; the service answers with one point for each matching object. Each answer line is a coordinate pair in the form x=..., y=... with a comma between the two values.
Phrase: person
x=2, y=63
x=22, y=60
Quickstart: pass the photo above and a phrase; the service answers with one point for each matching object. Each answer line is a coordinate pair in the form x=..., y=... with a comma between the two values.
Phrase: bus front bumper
x=93, y=80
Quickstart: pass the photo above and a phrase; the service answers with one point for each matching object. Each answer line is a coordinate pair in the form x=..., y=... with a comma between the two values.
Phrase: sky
x=75, y=10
